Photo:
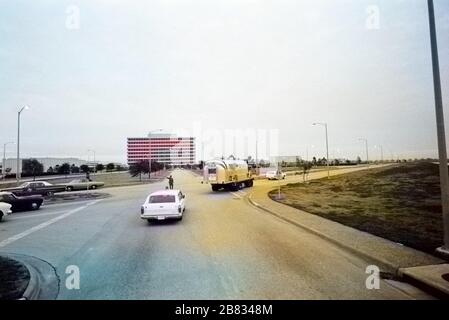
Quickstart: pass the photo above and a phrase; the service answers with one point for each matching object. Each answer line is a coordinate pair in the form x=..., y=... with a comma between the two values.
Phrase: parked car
x=5, y=209
x=42, y=188
x=162, y=205
x=21, y=203
x=275, y=175
x=83, y=184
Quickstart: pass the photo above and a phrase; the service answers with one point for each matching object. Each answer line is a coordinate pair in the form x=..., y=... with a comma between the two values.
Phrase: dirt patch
x=14, y=279
x=400, y=203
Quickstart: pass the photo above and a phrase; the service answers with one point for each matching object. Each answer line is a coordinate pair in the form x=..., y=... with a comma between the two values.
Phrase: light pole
x=307, y=151
x=149, y=152
x=381, y=153
x=366, y=147
x=202, y=151
x=327, y=146
x=95, y=165
x=18, y=173
x=4, y=159
x=257, y=149
x=444, y=174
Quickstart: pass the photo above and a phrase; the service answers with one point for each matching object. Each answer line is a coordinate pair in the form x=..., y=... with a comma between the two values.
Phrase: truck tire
x=234, y=187
x=249, y=184
x=215, y=187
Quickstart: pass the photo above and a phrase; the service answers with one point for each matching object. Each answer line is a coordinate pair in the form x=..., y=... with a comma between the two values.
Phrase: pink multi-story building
x=163, y=148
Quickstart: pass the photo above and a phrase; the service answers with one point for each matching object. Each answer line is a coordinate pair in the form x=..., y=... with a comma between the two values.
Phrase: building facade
x=163, y=148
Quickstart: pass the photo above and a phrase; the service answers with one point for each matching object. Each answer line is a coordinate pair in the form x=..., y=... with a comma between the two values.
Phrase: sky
x=95, y=72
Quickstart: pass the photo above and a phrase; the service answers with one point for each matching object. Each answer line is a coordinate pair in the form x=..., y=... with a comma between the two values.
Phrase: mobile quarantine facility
x=228, y=174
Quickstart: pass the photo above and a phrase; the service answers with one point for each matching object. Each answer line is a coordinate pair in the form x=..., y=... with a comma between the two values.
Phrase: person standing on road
x=170, y=182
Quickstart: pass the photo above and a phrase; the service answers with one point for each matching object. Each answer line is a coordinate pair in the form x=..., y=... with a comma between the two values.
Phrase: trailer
x=228, y=175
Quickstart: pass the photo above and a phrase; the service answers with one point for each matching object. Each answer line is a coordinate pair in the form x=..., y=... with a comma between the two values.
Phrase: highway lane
x=223, y=249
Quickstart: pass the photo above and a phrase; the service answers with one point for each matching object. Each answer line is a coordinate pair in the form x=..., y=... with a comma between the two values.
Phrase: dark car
x=21, y=203
x=42, y=188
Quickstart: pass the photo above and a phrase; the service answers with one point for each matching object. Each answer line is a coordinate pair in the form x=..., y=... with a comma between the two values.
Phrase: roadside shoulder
x=386, y=254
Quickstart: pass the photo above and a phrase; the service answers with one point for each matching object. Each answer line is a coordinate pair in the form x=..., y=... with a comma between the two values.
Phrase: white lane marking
x=68, y=203
x=236, y=195
x=34, y=215
x=44, y=225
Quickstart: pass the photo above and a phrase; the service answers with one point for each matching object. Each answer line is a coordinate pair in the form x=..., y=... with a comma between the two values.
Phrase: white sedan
x=162, y=205
x=275, y=175
x=5, y=209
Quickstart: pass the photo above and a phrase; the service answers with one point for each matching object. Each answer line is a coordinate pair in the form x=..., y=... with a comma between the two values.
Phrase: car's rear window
x=162, y=199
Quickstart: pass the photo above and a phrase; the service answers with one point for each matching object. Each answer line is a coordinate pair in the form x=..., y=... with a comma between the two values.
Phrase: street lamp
x=18, y=173
x=4, y=159
x=307, y=151
x=444, y=172
x=149, y=152
x=95, y=165
x=366, y=147
x=381, y=152
x=327, y=146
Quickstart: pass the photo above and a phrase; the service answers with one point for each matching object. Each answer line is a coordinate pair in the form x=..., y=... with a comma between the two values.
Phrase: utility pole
x=18, y=167
x=444, y=172
x=366, y=148
x=149, y=152
x=327, y=147
x=257, y=149
x=4, y=159
x=381, y=154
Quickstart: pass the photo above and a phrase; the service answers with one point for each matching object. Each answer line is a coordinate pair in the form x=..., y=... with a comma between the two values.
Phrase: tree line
x=33, y=167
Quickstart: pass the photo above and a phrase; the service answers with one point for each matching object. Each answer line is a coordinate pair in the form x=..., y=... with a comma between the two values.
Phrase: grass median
x=401, y=203
x=14, y=279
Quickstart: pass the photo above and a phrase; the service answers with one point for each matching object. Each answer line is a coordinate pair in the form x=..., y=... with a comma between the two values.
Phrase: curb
x=33, y=289
x=438, y=292
x=394, y=269
x=43, y=283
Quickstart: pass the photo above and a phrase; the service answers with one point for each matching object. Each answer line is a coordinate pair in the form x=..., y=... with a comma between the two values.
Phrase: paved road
x=223, y=249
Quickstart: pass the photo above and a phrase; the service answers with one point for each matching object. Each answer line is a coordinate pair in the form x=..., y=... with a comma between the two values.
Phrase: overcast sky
x=132, y=66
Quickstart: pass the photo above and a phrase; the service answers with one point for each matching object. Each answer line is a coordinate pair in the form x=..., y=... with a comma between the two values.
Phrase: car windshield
x=6, y=197
x=162, y=198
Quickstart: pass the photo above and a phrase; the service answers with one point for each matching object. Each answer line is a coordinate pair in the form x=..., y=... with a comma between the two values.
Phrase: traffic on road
x=216, y=243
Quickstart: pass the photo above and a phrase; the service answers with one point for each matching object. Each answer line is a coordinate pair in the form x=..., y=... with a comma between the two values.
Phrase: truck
x=228, y=174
